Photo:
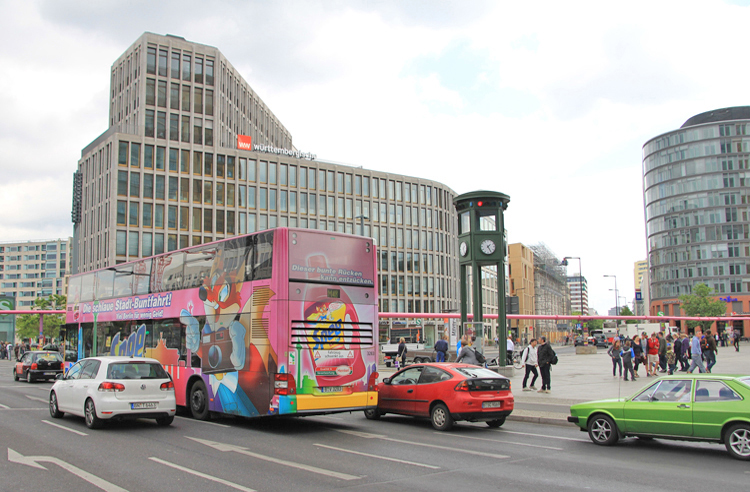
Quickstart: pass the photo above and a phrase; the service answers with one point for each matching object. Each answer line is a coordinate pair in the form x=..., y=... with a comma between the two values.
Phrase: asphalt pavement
x=583, y=377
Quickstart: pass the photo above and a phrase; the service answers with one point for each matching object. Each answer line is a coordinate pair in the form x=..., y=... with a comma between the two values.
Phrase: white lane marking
x=33, y=461
x=6, y=407
x=203, y=422
x=26, y=409
x=540, y=435
x=239, y=449
x=65, y=428
x=499, y=442
x=377, y=456
x=36, y=399
x=203, y=475
x=422, y=444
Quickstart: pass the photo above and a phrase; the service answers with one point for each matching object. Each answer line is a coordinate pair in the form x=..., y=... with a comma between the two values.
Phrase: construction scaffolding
x=551, y=295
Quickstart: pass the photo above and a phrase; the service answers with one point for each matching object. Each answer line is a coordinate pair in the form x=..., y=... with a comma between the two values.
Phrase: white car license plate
x=49, y=373
x=331, y=389
x=140, y=405
x=492, y=404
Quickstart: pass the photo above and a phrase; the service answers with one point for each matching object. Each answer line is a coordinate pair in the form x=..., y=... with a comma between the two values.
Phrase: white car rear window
x=136, y=370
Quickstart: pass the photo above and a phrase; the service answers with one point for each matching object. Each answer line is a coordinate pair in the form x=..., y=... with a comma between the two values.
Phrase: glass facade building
x=697, y=210
x=170, y=172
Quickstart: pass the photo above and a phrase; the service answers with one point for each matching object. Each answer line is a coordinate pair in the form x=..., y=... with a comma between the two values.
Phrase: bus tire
x=199, y=401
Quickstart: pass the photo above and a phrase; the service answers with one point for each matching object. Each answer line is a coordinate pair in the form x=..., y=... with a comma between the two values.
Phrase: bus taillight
x=284, y=384
x=372, y=383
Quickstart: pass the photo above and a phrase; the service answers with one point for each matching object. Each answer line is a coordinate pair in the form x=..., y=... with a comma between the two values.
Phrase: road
x=332, y=452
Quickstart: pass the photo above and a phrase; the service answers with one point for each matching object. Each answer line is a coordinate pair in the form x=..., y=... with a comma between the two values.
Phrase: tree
x=27, y=325
x=595, y=324
x=625, y=311
x=700, y=303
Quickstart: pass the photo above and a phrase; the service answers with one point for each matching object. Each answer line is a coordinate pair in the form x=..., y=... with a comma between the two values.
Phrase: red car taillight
x=34, y=366
x=462, y=386
x=166, y=386
x=284, y=384
x=372, y=383
x=110, y=386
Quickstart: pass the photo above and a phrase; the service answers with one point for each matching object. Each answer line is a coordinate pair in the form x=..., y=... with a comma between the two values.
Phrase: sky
x=547, y=102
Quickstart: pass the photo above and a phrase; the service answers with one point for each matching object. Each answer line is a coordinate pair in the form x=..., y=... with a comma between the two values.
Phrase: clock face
x=487, y=247
x=463, y=249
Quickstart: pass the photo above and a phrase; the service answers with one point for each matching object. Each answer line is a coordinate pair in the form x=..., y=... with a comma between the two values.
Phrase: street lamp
x=617, y=300
x=362, y=223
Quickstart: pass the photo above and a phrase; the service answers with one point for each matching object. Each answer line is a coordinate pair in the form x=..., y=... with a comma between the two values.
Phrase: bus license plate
x=331, y=389
x=492, y=404
x=141, y=405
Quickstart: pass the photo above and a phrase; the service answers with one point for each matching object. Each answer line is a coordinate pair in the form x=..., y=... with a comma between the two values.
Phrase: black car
x=600, y=341
x=38, y=364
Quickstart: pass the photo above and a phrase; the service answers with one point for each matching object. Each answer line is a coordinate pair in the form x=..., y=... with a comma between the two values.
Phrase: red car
x=37, y=365
x=446, y=393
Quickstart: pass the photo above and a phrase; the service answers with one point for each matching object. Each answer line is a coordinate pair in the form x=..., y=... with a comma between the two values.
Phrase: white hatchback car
x=114, y=388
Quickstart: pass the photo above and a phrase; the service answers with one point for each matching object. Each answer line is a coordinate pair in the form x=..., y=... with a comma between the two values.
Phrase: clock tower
x=480, y=244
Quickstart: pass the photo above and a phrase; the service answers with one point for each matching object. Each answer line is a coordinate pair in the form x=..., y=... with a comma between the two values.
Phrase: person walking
x=531, y=361
x=545, y=356
x=614, y=353
x=671, y=359
x=662, y=352
x=677, y=348
x=653, y=355
x=736, y=340
x=468, y=354
x=402, y=350
x=441, y=349
x=509, y=347
x=710, y=352
x=637, y=353
x=695, y=352
x=628, y=354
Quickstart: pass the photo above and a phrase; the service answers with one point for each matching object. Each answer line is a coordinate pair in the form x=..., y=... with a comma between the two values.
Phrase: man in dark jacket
x=441, y=349
x=677, y=345
x=545, y=354
x=710, y=353
x=662, y=353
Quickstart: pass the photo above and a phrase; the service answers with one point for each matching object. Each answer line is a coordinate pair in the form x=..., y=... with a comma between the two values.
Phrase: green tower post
x=481, y=228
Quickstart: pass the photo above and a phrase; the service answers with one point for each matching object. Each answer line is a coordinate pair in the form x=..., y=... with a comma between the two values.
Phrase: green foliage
x=701, y=303
x=27, y=325
x=625, y=311
x=595, y=324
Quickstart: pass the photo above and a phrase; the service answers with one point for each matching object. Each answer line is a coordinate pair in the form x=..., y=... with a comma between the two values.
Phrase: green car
x=692, y=407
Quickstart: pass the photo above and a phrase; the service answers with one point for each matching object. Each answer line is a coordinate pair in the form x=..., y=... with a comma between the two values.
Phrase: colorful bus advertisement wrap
x=279, y=322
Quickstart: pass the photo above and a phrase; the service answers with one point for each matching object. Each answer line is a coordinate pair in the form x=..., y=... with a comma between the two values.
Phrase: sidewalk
x=579, y=378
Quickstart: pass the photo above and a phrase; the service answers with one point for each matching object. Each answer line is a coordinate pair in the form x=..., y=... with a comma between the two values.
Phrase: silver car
x=114, y=388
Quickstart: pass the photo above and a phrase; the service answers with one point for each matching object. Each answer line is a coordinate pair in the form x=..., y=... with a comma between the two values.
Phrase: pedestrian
x=402, y=350
x=662, y=352
x=685, y=351
x=677, y=349
x=441, y=349
x=545, y=356
x=671, y=359
x=614, y=353
x=710, y=352
x=637, y=353
x=468, y=354
x=509, y=347
x=459, y=344
x=736, y=341
x=653, y=355
x=695, y=352
x=531, y=361
x=628, y=354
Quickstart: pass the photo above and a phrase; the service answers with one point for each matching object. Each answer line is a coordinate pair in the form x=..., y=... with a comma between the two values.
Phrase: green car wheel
x=737, y=441
x=602, y=430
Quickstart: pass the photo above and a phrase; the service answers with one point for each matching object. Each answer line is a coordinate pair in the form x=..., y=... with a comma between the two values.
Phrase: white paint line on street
x=33, y=461
x=540, y=435
x=377, y=457
x=421, y=444
x=43, y=400
x=204, y=422
x=203, y=475
x=6, y=407
x=64, y=428
x=26, y=409
x=498, y=442
x=239, y=449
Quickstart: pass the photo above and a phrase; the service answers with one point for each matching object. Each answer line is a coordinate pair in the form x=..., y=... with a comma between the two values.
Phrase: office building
x=640, y=269
x=521, y=285
x=697, y=203
x=30, y=270
x=192, y=155
x=579, y=294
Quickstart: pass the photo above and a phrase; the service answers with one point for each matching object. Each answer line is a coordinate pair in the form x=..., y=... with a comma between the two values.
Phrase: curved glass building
x=697, y=210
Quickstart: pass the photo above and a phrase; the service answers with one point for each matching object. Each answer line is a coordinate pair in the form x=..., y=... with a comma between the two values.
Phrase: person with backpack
x=547, y=358
x=628, y=354
x=441, y=349
x=531, y=361
x=468, y=353
x=614, y=353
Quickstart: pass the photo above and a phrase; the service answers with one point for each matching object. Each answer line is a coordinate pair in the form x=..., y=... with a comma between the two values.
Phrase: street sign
x=661, y=313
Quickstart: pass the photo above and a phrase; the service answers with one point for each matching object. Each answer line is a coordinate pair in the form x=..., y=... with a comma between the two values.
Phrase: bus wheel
x=199, y=401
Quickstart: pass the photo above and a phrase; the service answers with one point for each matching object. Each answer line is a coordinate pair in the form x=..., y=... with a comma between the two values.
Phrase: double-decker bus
x=280, y=322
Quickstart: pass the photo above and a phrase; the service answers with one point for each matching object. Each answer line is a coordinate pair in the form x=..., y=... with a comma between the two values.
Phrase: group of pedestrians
x=13, y=352
x=538, y=355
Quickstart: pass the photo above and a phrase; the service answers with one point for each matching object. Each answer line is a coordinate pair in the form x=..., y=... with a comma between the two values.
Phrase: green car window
x=714, y=391
x=645, y=395
x=673, y=390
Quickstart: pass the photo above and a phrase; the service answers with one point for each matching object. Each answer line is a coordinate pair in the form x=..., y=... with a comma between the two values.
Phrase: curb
x=539, y=420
